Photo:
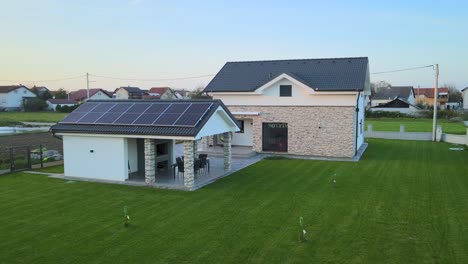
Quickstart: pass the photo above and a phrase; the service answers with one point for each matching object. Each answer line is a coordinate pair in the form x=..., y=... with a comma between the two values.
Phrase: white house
x=127, y=92
x=465, y=97
x=53, y=103
x=397, y=105
x=134, y=139
x=164, y=93
x=81, y=95
x=13, y=96
x=384, y=95
x=312, y=107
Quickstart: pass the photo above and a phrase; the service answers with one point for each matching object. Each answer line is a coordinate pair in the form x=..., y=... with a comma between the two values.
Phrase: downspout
x=357, y=122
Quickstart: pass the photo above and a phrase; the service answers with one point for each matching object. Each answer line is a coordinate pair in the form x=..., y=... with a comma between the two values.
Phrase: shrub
x=379, y=114
x=65, y=108
x=34, y=104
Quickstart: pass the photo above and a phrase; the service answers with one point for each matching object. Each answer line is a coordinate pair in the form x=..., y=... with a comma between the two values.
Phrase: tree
x=380, y=84
x=60, y=94
x=34, y=104
x=455, y=96
x=199, y=94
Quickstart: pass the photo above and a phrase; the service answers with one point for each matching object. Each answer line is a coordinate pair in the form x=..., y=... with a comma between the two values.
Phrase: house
x=182, y=93
x=38, y=90
x=127, y=92
x=425, y=96
x=53, y=103
x=397, y=105
x=81, y=95
x=13, y=96
x=465, y=97
x=125, y=140
x=312, y=107
x=385, y=95
x=164, y=93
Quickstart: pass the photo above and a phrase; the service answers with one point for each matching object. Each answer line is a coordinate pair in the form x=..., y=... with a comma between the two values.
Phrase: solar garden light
x=126, y=216
x=302, y=234
x=334, y=180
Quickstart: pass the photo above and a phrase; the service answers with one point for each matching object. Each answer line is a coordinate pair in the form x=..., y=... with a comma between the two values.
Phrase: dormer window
x=285, y=90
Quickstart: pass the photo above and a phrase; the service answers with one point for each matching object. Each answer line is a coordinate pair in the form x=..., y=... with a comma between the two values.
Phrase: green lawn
x=415, y=125
x=52, y=169
x=404, y=202
x=15, y=117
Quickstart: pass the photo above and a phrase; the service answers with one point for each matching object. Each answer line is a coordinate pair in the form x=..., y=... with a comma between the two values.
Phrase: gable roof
x=62, y=101
x=464, y=89
x=159, y=90
x=396, y=103
x=9, y=88
x=81, y=94
x=339, y=74
x=155, y=130
x=393, y=92
x=130, y=89
x=429, y=92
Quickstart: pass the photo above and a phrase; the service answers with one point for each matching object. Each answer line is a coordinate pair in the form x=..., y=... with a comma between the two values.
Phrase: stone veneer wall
x=327, y=131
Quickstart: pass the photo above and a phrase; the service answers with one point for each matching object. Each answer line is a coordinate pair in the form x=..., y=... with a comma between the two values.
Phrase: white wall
x=300, y=96
x=360, y=121
x=108, y=161
x=100, y=96
x=14, y=99
x=465, y=99
x=219, y=123
x=121, y=94
x=409, y=111
x=54, y=106
x=246, y=138
x=132, y=154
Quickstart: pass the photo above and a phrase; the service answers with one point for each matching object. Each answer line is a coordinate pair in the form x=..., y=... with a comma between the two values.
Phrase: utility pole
x=87, y=86
x=436, y=95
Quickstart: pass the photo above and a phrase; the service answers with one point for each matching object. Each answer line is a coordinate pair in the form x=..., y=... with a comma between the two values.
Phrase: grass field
x=404, y=202
x=53, y=169
x=7, y=118
x=414, y=125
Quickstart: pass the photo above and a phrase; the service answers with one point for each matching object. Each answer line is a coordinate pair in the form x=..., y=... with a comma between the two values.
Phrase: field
x=8, y=118
x=404, y=202
x=415, y=125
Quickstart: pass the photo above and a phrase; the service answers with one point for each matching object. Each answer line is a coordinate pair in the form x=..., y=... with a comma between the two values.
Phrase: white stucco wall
x=100, y=96
x=246, y=138
x=108, y=161
x=360, y=121
x=14, y=99
x=217, y=124
x=300, y=96
x=132, y=153
x=465, y=99
x=121, y=94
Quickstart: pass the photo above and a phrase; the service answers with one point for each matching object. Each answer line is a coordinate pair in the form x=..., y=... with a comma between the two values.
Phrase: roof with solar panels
x=143, y=117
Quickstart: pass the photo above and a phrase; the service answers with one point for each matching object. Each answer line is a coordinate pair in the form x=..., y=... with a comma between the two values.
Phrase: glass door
x=275, y=137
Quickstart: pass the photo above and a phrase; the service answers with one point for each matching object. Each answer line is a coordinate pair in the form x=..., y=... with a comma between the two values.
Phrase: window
x=285, y=90
x=241, y=124
x=275, y=137
x=24, y=91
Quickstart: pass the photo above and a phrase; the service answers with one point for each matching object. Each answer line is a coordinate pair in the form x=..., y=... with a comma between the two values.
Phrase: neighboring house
x=13, y=96
x=425, y=96
x=53, y=103
x=94, y=94
x=124, y=93
x=397, y=105
x=384, y=95
x=135, y=140
x=182, y=94
x=312, y=107
x=465, y=97
x=39, y=90
x=164, y=93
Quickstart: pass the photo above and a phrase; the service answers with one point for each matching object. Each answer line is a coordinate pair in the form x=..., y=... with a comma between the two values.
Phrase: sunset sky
x=143, y=39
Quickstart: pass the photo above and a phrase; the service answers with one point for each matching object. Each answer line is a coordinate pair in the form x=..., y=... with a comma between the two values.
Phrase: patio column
x=227, y=150
x=189, y=180
x=195, y=148
x=150, y=168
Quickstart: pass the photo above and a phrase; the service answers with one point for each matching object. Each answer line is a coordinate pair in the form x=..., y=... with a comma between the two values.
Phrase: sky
x=153, y=40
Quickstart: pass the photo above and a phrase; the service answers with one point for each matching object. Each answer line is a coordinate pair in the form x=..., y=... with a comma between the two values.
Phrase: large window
x=275, y=137
x=285, y=90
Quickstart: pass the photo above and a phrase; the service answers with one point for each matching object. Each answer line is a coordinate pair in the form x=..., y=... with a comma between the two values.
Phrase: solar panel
x=90, y=117
x=108, y=118
x=126, y=119
x=120, y=107
x=188, y=119
x=157, y=108
x=166, y=119
x=138, y=108
x=73, y=117
x=177, y=108
x=198, y=108
x=146, y=119
x=84, y=108
x=102, y=107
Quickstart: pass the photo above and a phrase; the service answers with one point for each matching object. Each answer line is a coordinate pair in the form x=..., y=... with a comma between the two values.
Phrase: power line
x=152, y=80
x=408, y=69
x=51, y=80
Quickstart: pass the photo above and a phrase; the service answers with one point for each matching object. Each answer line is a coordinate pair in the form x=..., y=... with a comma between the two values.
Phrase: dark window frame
x=241, y=123
x=287, y=92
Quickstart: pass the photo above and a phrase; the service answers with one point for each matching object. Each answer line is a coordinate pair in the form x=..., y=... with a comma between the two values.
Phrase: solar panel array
x=186, y=114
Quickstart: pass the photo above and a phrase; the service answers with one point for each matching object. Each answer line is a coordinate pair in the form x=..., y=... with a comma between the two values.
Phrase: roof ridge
x=309, y=59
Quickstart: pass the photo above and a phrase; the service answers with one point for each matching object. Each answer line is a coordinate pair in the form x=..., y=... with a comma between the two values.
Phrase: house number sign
x=277, y=125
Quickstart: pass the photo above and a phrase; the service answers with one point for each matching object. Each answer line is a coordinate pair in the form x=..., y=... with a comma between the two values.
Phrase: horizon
x=141, y=39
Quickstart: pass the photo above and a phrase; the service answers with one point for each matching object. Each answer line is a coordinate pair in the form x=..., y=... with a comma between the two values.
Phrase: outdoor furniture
x=180, y=166
x=196, y=167
x=207, y=160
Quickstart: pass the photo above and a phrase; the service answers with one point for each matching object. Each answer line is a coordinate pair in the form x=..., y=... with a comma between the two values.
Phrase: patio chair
x=180, y=166
x=203, y=164
x=196, y=167
x=206, y=160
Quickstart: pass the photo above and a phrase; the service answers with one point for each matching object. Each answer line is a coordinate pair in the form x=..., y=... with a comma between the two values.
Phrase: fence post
x=12, y=162
x=28, y=152
x=402, y=128
x=439, y=133
x=40, y=155
x=369, y=127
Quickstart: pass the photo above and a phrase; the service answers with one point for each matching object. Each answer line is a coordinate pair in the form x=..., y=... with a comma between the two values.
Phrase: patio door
x=275, y=137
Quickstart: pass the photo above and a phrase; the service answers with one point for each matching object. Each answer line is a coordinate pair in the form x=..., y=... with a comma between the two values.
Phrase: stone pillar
x=150, y=166
x=438, y=133
x=189, y=179
x=195, y=148
x=369, y=128
x=402, y=128
x=227, y=150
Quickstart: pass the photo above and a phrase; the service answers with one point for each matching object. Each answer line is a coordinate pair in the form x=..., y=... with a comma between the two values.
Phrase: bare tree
x=198, y=93
x=454, y=95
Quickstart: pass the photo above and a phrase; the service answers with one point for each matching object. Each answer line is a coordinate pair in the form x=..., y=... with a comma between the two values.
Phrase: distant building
x=127, y=92
x=425, y=96
x=13, y=96
x=164, y=93
x=94, y=94
x=465, y=97
x=39, y=90
x=53, y=103
x=397, y=105
x=387, y=94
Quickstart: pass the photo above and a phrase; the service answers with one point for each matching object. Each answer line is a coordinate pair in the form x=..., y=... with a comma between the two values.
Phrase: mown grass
x=404, y=202
x=415, y=125
x=9, y=118
x=52, y=169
